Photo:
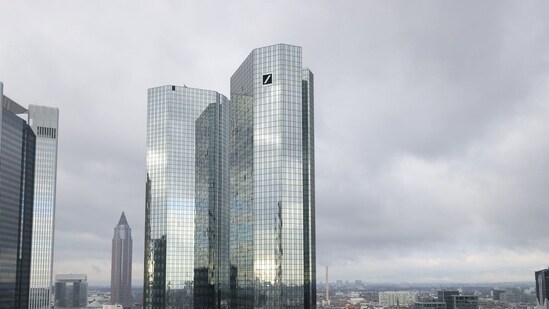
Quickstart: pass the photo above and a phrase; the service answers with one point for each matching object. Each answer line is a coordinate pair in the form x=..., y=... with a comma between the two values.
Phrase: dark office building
x=542, y=288
x=17, y=156
x=497, y=294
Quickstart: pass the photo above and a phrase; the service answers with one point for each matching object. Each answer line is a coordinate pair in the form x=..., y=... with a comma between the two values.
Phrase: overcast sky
x=432, y=122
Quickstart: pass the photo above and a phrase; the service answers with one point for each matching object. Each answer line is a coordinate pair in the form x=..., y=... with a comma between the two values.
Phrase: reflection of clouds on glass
x=171, y=149
x=264, y=270
x=254, y=154
x=156, y=157
x=273, y=248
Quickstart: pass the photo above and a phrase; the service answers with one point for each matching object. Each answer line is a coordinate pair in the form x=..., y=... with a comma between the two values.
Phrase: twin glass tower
x=230, y=190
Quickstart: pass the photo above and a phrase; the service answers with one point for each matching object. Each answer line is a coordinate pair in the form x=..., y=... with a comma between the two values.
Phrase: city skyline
x=428, y=116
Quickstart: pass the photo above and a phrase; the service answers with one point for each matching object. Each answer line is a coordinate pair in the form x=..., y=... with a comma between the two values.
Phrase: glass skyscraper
x=211, y=249
x=230, y=190
x=44, y=122
x=17, y=159
x=186, y=213
x=121, y=264
x=542, y=287
x=272, y=245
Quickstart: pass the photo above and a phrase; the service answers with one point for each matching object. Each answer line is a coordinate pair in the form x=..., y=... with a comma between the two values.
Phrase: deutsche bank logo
x=267, y=79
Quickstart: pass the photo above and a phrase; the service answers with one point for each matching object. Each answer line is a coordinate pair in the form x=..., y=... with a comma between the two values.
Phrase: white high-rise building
x=44, y=121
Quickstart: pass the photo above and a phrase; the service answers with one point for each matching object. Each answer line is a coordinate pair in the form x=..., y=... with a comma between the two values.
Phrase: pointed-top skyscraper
x=121, y=267
x=123, y=220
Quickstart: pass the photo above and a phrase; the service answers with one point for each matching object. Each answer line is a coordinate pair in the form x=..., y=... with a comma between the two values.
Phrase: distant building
x=96, y=304
x=465, y=302
x=112, y=307
x=17, y=169
x=394, y=298
x=513, y=295
x=497, y=294
x=71, y=291
x=542, y=287
x=121, y=266
x=447, y=296
x=430, y=305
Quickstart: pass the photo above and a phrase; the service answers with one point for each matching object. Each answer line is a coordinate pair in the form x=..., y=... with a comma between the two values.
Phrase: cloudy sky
x=432, y=122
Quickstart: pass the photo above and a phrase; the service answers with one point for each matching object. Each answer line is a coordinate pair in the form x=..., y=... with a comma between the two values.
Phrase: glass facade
x=309, y=229
x=17, y=148
x=44, y=122
x=184, y=199
x=230, y=190
x=211, y=250
x=121, y=264
x=542, y=286
x=272, y=181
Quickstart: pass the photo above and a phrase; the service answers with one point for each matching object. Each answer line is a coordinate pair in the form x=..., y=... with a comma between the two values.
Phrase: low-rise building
x=397, y=298
x=71, y=291
x=429, y=305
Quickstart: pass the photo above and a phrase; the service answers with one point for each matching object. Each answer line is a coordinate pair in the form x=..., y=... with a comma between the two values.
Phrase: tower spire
x=123, y=220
